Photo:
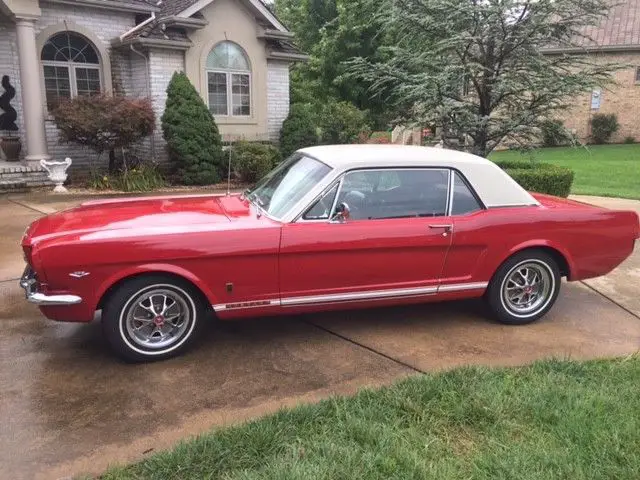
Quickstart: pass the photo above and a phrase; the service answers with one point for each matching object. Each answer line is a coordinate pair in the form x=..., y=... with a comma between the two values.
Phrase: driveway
x=68, y=407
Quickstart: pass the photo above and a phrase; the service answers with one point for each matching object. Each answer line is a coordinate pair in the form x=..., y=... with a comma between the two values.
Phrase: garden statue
x=9, y=115
x=57, y=173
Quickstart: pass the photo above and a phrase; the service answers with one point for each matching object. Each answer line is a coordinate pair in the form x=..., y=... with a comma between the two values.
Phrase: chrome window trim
x=467, y=183
x=449, y=208
x=340, y=175
x=301, y=218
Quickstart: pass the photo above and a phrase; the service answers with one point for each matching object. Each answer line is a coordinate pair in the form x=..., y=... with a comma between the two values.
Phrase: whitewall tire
x=152, y=317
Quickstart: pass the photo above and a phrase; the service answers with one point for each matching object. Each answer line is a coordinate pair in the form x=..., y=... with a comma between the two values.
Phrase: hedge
x=252, y=161
x=540, y=177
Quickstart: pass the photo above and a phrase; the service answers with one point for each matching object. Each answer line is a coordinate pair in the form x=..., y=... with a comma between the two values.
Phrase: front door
x=393, y=244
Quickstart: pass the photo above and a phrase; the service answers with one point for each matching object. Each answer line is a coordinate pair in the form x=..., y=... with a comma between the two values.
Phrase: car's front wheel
x=524, y=288
x=152, y=317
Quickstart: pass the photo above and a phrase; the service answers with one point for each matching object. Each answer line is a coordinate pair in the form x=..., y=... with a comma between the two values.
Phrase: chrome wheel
x=527, y=288
x=157, y=318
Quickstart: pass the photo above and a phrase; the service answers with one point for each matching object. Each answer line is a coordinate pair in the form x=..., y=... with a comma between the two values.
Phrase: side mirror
x=342, y=213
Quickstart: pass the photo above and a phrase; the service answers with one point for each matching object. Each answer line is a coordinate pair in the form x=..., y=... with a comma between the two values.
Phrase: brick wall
x=277, y=97
x=106, y=25
x=622, y=99
x=162, y=64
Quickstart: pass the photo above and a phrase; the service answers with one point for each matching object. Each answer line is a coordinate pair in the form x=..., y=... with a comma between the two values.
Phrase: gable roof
x=619, y=30
x=176, y=16
x=139, y=6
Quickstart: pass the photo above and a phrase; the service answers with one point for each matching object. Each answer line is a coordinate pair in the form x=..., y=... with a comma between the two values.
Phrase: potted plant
x=11, y=147
x=9, y=142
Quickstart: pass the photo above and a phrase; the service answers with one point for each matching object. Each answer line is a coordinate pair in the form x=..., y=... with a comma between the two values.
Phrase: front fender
x=153, y=268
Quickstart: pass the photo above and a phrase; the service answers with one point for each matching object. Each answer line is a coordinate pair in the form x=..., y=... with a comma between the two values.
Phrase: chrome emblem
x=79, y=274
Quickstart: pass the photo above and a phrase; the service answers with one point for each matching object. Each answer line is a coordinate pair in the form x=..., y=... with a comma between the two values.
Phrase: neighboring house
x=615, y=40
x=235, y=52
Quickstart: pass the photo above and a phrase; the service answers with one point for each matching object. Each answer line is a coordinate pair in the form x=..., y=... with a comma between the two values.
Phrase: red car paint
x=213, y=241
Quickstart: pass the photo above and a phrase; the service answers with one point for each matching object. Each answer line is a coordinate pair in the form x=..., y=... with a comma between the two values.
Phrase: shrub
x=629, y=139
x=252, y=161
x=104, y=123
x=341, y=122
x=195, y=147
x=540, y=177
x=603, y=126
x=298, y=129
x=554, y=133
x=379, y=138
x=142, y=178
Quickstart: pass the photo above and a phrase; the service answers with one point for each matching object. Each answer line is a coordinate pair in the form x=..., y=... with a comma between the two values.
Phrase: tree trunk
x=112, y=161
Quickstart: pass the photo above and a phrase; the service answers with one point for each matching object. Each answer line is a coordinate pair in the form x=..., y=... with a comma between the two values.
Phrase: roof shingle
x=621, y=27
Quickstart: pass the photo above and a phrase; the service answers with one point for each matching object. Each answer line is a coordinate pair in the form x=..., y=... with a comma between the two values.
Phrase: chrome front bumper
x=29, y=283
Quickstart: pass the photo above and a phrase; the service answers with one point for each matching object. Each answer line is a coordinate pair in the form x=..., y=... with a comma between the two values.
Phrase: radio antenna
x=229, y=171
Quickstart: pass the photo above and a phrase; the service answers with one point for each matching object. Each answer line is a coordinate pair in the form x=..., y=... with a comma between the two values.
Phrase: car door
x=393, y=244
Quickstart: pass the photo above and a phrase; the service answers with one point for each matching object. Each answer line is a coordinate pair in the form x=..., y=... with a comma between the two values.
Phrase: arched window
x=229, y=80
x=71, y=67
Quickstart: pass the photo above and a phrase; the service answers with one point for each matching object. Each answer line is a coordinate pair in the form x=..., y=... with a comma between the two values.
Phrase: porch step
x=21, y=177
x=13, y=186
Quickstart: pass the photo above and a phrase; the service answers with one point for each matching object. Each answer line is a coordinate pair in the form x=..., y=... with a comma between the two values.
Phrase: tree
x=332, y=32
x=477, y=67
x=195, y=147
x=104, y=123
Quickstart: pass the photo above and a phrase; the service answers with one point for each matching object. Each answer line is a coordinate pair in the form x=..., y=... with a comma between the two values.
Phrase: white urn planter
x=57, y=173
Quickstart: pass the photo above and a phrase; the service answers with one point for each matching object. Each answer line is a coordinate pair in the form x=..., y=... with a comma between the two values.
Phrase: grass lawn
x=605, y=170
x=553, y=419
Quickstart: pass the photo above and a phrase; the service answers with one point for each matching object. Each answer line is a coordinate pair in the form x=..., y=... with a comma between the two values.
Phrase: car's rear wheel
x=524, y=288
x=152, y=317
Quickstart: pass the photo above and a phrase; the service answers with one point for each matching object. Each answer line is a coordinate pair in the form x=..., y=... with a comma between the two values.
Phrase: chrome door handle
x=448, y=228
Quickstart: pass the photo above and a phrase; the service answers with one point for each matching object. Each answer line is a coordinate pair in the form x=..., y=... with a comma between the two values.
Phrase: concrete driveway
x=68, y=407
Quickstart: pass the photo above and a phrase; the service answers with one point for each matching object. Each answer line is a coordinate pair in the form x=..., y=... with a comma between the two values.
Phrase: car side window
x=320, y=210
x=463, y=199
x=395, y=193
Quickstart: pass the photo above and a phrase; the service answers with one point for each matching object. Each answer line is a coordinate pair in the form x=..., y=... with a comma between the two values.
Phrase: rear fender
x=537, y=243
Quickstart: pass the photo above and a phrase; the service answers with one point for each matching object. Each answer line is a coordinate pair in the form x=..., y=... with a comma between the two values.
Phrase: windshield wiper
x=253, y=197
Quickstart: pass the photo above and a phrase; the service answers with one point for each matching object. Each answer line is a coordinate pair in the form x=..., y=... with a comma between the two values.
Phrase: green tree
x=478, y=68
x=195, y=147
x=298, y=129
x=332, y=32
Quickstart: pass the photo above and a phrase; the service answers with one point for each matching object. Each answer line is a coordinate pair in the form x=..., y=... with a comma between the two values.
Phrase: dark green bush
x=629, y=139
x=342, y=122
x=603, y=125
x=554, y=133
x=195, y=147
x=298, y=130
x=252, y=161
x=540, y=177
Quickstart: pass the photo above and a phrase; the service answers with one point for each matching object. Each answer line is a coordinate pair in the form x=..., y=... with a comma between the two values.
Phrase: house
x=615, y=40
x=235, y=52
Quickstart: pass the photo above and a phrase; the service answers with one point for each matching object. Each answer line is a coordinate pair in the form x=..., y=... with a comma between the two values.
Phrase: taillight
x=27, y=254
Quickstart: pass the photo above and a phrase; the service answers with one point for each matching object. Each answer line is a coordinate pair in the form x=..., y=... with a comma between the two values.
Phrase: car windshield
x=285, y=185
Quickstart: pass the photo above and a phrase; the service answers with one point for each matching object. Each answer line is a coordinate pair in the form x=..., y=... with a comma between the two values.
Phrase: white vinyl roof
x=494, y=186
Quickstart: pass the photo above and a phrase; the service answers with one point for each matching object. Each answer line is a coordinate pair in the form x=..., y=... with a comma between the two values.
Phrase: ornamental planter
x=11, y=146
x=57, y=173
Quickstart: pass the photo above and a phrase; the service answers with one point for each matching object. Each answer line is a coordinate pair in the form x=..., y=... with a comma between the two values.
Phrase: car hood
x=150, y=213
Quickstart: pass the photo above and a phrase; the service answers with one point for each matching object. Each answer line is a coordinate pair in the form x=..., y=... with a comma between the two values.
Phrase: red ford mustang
x=331, y=227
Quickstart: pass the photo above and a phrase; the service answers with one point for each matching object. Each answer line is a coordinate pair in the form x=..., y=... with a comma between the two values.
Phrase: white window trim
x=228, y=74
x=71, y=67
